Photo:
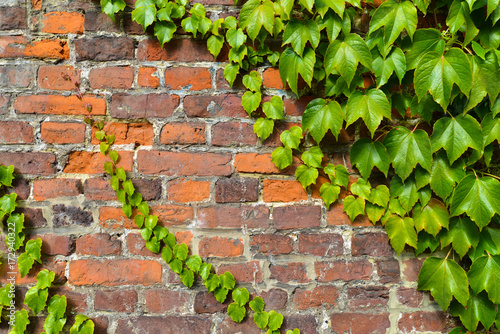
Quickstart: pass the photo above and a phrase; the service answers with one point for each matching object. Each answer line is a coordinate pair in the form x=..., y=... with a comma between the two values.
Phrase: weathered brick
x=248, y=272
x=371, y=244
x=306, y=323
x=335, y=216
x=101, y=324
x=170, y=214
x=223, y=84
x=97, y=189
x=19, y=47
x=53, y=188
x=325, y=244
x=368, y=297
x=4, y=104
x=360, y=323
x=247, y=326
x=33, y=218
x=98, y=244
x=271, y=78
x=36, y=4
x=388, y=271
x=183, y=133
x=176, y=324
x=296, y=107
x=112, y=77
x=343, y=270
x=114, y=218
x=234, y=217
x=20, y=76
x=411, y=269
x=160, y=300
x=115, y=300
x=290, y=272
x=31, y=163
x=49, y=263
x=259, y=163
x=235, y=190
x=14, y=132
x=293, y=217
x=53, y=244
x=148, y=77
x=233, y=134
x=56, y=77
x=78, y=162
x=137, y=245
x=12, y=18
x=275, y=299
x=424, y=322
x=59, y=105
x=205, y=302
x=62, y=133
x=191, y=78
x=282, y=191
x=76, y=302
x=186, y=191
x=70, y=215
x=143, y=106
x=221, y=247
x=63, y=23
x=128, y=133
x=114, y=272
x=185, y=50
x=184, y=237
x=99, y=21
x=183, y=163
x=214, y=106
x=271, y=244
x=319, y=296
x=104, y=48
x=410, y=297
x=21, y=187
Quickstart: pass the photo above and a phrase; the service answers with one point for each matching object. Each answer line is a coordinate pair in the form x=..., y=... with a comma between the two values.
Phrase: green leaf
x=144, y=13
x=479, y=308
x=44, y=279
x=344, y=56
x=120, y=173
x=426, y=241
x=127, y=209
x=422, y=5
x=313, y=157
x=445, y=279
x=227, y=280
x=291, y=138
x=338, y=174
x=374, y=212
x=275, y=320
x=371, y=107
x=299, y=32
x=432, y=217
x=176, y=266
x=57, y=306
x=16, y=220
x=166, y=254
x=34, y=248
x=491, y=129
x=436, y=74
x=251, y=101
x=25, y=263
x=241, y=296
x=261, y=319
x=36, y=299
x=424, y=108
x=256, y=14
x=458, y=17
x=282, y=157
x=212, y=282
x=484, y=274
x=263, y=128
x=306, y=175
x=332, y=23
x=479, y=198
x=291, y=65
x=215, y=44
x=53, y=325
x=221, y=294
x=308, y=4
x=110, y=7
x=366, y=154
x=8, y=203
x=257, y=304
x=153, y=245
x=6, y=175
x=181, y=251
x=401, y=232
x=187, y=277
x=485, y=75
x=444, y=176
x=394, y=62
x=194, y=263
x=236, y=312
x=20, y=321
x=252, y=81
x=235, y=38
x=274, y=108
x=362, y=188
x=353, y=207
x=321, y=116
x=164, y=31
x=82, y=325
x=329, y=193
x=394, y=16
x=230, y=72
x=408, y=148
x=128, y=187
x=462, y=234
x=380, y=196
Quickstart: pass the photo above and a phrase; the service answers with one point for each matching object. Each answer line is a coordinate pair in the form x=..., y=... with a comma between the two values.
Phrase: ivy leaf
x=8, y=203
x=424, y=40
x=53, y=325
x=445, y=279
x=110, y=7
x=17, y=220
x=426, y=241
x=275, y=320
x=432, y=217
x=380, y=196
x=34, y=248
x=291, y=138
x=24, y=263
x=256, y=14
x=374, y=212
x=306, y=175
x=36, y=299
x=401, y=232
x=329, y=193
x=479, y=198
x=479, y=308
x=313, y=157
x=332, y=23
x=462, y=235
x=338, y=174
x=436, y=74
x=273, y=109
x=44, y=279
x=144, y=13
x=164, y=31
x=205, y=270
x=257, y=304
x=153, y=245
x=261, y=319
x=299, y=32
x=215, y=44
x=394, y=62
x=394, y=16
x=236, y=312
x=344, y=56
x=263, y=128
x=176, y=266
x=82, y=325
x=252, y=81
x=282, y=157
x=241, y=296
x=458, y=17
x=221, y=294
x=194, y=263
x=236, y=37
x=353, y=207
x=484, y=274
x=321, y=116
x=408, y=148
x=361, y=188
x=181, y=251
x=444, y=176
x=166, y=254
x=424, y=108
x=485, y=75
x=230, y=72
x=212, y=282
x=6, y=175
x=490, y=37
x=57, y=306
x=291, y=65
x=21, y=320
x=366, y=154
x=371, y=107
x=187, y=277
x=227, y=280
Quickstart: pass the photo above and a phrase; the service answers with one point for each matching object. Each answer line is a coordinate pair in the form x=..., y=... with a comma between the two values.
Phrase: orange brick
x=63, y=23
x=114, y=218
x=222, y=247
x=18, y=47
x=271, y=78
x=261, y=164
x=53, y=188
x=283, y=191
x=62, y=133
x=93, y=162
x=170, y=214
x=148, y=77
x=185, y=191
x=192, y=78
x=183, y=133
x=52, y=77
x=59, y=105
x=184, y=237
x=112, y=77
x=128, y=133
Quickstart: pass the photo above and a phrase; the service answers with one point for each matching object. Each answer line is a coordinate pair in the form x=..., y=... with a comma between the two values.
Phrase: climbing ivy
x=416, y=84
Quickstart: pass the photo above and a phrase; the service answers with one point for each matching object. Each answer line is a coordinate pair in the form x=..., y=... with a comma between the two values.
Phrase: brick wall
x=190, y=149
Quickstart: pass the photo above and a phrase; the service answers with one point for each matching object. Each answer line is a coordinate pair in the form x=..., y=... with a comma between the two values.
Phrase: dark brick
x=305, y=323
x=205, y=302
x=293, y=217
x=164, y=325
x=117, y=301
x=328, y=244
x=70, y=215
x=98, y=244
x=4, y=104
x=104, y=48
x=33, y=218
x=360, y=323
x=76, y=301
x=16, y=76
x=98, y=21
x=275, y=299
x=214, y=106
x=234, y=217
x=296, y=272
x=159, y=300
x=97, y=189
x=247, y=326
x=371, y=244
x=237, y=190
x=388, y=271
x=410, y=297
x=233, y=134
x=21, y=187
x=425, y=321
x=143, y=106
x=12, y=18
x=368, y=296
x=34, y=163
x=272, y=244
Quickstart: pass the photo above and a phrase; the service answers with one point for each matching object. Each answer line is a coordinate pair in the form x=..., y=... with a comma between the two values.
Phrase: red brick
x=214, y=106
x=55, y=244
x=185, y=50
x=143, y=106
x=248, y=272
x=205, y=302
x=133, y=28
x=183, y=163
x=4, y=104
x=325, y=244
x=247, y=326
x=33, y=218
x=233, y=134
x=424, y=322
x=371, y=244
x=104, y=48
x=12, y=18
x=295, y=271
x=99, y=21
x=297, y=107
x=223, y=84
x=115, y=300
x=410, y=297
x=170, y=214
x=191, y=78
x=411, y=269
x=32, y=163
x=63, y=23
x=164, y=325
x=283, y=191
x=16, y=76
x=184, y=237
x=306, y=323
x=388, y=271
x=51, y=264
x=271, y=78
x=36, y=4
x=293, y=217
x=183, y=133
x=59, y=105
x=343, y=270
x=114, y=218
x=137, y=245
x=235, y=190
x=53, y=77
x=259, y=163
x=319, y=296
x=186, y=191
x=53, y=188
x=63, y=133
x=368, y=297
x=159, y=300
x=76, y=302
x=78, y=162
x=98, y=244
x=101, y=324
x=128, y=133
x=221, y=247
x=234, y=217
x=21, y=187
x=14, y=132
x=275, y=299
x=12, y=46
x=148, y=77
x=111, y=77
x=96, y=189
x=19, y=47
x=114, y=272
x=335, y=216
x=271, y=244
x=360, y=323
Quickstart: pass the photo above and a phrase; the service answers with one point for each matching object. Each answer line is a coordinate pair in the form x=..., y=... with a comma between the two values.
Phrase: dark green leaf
x=479, y=308
x=366, y=154
x=371, y=107
x=484, y=274
x=462, y=234
x=321, y=116
x=306, y=175
x=256, y=14
x=298, y=33
x=291, y=65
